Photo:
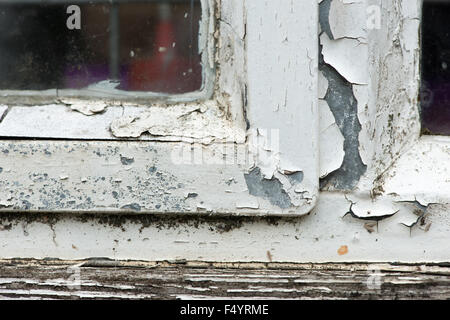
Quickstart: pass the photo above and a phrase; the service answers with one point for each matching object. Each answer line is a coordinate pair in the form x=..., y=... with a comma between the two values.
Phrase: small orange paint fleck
x=342, y=250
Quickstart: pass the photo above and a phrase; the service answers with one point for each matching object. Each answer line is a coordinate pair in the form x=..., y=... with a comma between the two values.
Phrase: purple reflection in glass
x=144, y=46
x=435, y=86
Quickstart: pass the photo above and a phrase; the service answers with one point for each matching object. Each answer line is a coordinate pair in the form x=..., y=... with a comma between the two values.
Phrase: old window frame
x=402, y=164
x=99, y=93
x=421, y=171
x=103, y=175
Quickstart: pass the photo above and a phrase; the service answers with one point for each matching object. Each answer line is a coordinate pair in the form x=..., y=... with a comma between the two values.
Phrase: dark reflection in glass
x=143, y=46
x=435, y=86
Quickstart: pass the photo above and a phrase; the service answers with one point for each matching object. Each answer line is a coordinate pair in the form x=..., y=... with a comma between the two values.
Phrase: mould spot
x=126, y=161
x=5, y=226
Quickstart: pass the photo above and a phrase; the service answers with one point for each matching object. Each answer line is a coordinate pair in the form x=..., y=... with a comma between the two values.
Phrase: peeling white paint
x=342, y=53
x=315, y=238
x=365, y=114
x=394, y=86
x=382, y=64
x=323, y=85
x=197, y=121
x=285, y=132
x=87, y=108
x=384, y=219
x=348, y=19
x=331, y=141
x=366, y=208
x=251, y=204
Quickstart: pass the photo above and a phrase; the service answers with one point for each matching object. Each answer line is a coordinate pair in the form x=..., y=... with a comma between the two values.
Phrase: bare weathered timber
x=109, y=279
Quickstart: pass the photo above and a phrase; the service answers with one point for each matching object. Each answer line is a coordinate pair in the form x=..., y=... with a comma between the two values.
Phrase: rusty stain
x=342, y=250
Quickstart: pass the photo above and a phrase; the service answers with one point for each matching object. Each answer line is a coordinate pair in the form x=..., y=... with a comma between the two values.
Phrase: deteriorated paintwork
x=396, y=212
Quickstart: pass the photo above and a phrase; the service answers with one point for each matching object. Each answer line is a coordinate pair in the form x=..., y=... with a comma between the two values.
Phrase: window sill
x=422, y=173
x=202, y=122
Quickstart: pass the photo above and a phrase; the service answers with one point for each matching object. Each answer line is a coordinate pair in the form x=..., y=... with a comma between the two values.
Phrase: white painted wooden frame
x=421, y=167
x=405, y=166
x=250, y=149
x=377, y=49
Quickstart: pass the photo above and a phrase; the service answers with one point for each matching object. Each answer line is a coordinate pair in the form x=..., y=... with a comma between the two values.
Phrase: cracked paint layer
x=343, y=105
x=407, y=213
x=271, y=190
x=140, y=178
x=87, y=108
x=421, y=173
x=113, y=116
x=421, y=212
x=331, y=141
x=375, y=46
x=314, y=238
x=344, y=171
x=196, y=121
x=242, y=99
x=283, y=137
x=407, y=222
x=341, y=53
x=365, y=43
x=394, y=101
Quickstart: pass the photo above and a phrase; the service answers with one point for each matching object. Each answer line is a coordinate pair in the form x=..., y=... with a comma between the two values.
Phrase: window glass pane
x=141, y=46
x=435, y=86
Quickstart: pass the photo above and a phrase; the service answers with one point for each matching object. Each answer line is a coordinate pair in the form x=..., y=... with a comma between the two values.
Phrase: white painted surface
x=422, y=172
x=390, y=120
x=316, y=237
x=140, y=177
x=402, y=168
x=267, y=172
x=283, y=86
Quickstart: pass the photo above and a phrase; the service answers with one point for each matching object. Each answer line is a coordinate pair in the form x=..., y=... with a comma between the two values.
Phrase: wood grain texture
x=108, y=279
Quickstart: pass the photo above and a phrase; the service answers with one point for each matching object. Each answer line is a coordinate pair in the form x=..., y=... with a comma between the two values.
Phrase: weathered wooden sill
x=108, y=279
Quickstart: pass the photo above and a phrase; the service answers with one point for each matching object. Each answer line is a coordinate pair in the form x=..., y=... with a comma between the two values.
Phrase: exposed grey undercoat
x=324, y=11
x=268, y=189
x=344, y=106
